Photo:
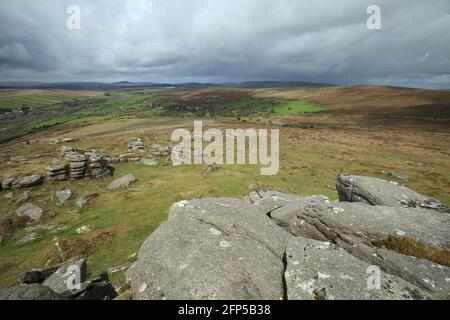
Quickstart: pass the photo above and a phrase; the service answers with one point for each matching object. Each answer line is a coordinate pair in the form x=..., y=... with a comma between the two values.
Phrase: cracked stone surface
x=208, y=249
x=273, y=245
x=376, y=191
x=321, y=271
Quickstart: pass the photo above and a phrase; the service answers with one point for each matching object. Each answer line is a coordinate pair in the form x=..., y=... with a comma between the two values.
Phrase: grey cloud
x=233, y=40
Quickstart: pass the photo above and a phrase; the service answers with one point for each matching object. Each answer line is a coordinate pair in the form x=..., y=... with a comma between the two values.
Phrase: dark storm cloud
x=233, y=40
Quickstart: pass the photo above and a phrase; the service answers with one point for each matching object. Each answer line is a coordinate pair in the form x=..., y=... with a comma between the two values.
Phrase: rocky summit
x=380, y=241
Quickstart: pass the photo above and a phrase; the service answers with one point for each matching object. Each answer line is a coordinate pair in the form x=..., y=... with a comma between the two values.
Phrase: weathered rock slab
x=122, y=182
x=209, y=249
x=59, y=280
x=376, y=191
x=29, y=292
x=30, y=210
x=28, y=181
x=320, y=271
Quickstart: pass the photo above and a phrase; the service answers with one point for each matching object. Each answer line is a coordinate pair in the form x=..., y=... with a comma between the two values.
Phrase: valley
x=372, y=131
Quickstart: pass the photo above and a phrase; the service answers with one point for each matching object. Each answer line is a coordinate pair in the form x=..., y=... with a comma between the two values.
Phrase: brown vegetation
x=412, y=247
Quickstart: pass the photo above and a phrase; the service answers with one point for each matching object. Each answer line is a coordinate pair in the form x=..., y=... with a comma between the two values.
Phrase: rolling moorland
x=385, y=132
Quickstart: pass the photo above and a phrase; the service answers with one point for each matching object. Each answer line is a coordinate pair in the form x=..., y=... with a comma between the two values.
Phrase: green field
x=293, y=107
x=37, y=101
x=94, y=110
x=275, y=106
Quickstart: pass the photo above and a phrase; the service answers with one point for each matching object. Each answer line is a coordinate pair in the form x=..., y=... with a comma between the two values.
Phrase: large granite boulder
x=360, y=222
x=59, y=280
x=60, y=284
x=376, y=191
x=411, y=243
x=212, y=249
x=29, y=292
x=273, y=245
x=24, y=197
x=323, y=271
x=135, y=144
x=122, y=182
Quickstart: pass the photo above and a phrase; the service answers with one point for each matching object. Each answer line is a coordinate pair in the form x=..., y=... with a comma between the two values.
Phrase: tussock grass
x=412, y=247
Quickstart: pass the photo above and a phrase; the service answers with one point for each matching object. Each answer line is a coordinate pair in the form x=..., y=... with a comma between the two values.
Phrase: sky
x=173, y=41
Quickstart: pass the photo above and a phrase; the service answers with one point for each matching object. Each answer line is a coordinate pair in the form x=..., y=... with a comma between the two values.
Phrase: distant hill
x=275, y=84
x=126, y=85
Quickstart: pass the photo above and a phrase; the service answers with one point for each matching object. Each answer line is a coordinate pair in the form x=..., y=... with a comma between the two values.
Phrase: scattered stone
x=135, y=144
x=128, y=157
x=395, y=174
x=29, y=238
x=48, y=227
x=211, y=168
x=8, y=182
x=30, y=210
x=36, y=276
x=116, y=269
x=158, y=151
x=70, y=139
x=149, y=162
x=63, y=196
x=376, y=191
x=54, y=141
x=84, y=229
x=82, y=201
x=122, y=182
x=61, y=283
x=24, y=197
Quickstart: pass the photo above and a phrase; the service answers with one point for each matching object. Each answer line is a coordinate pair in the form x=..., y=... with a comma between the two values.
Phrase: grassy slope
x=116, y=104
